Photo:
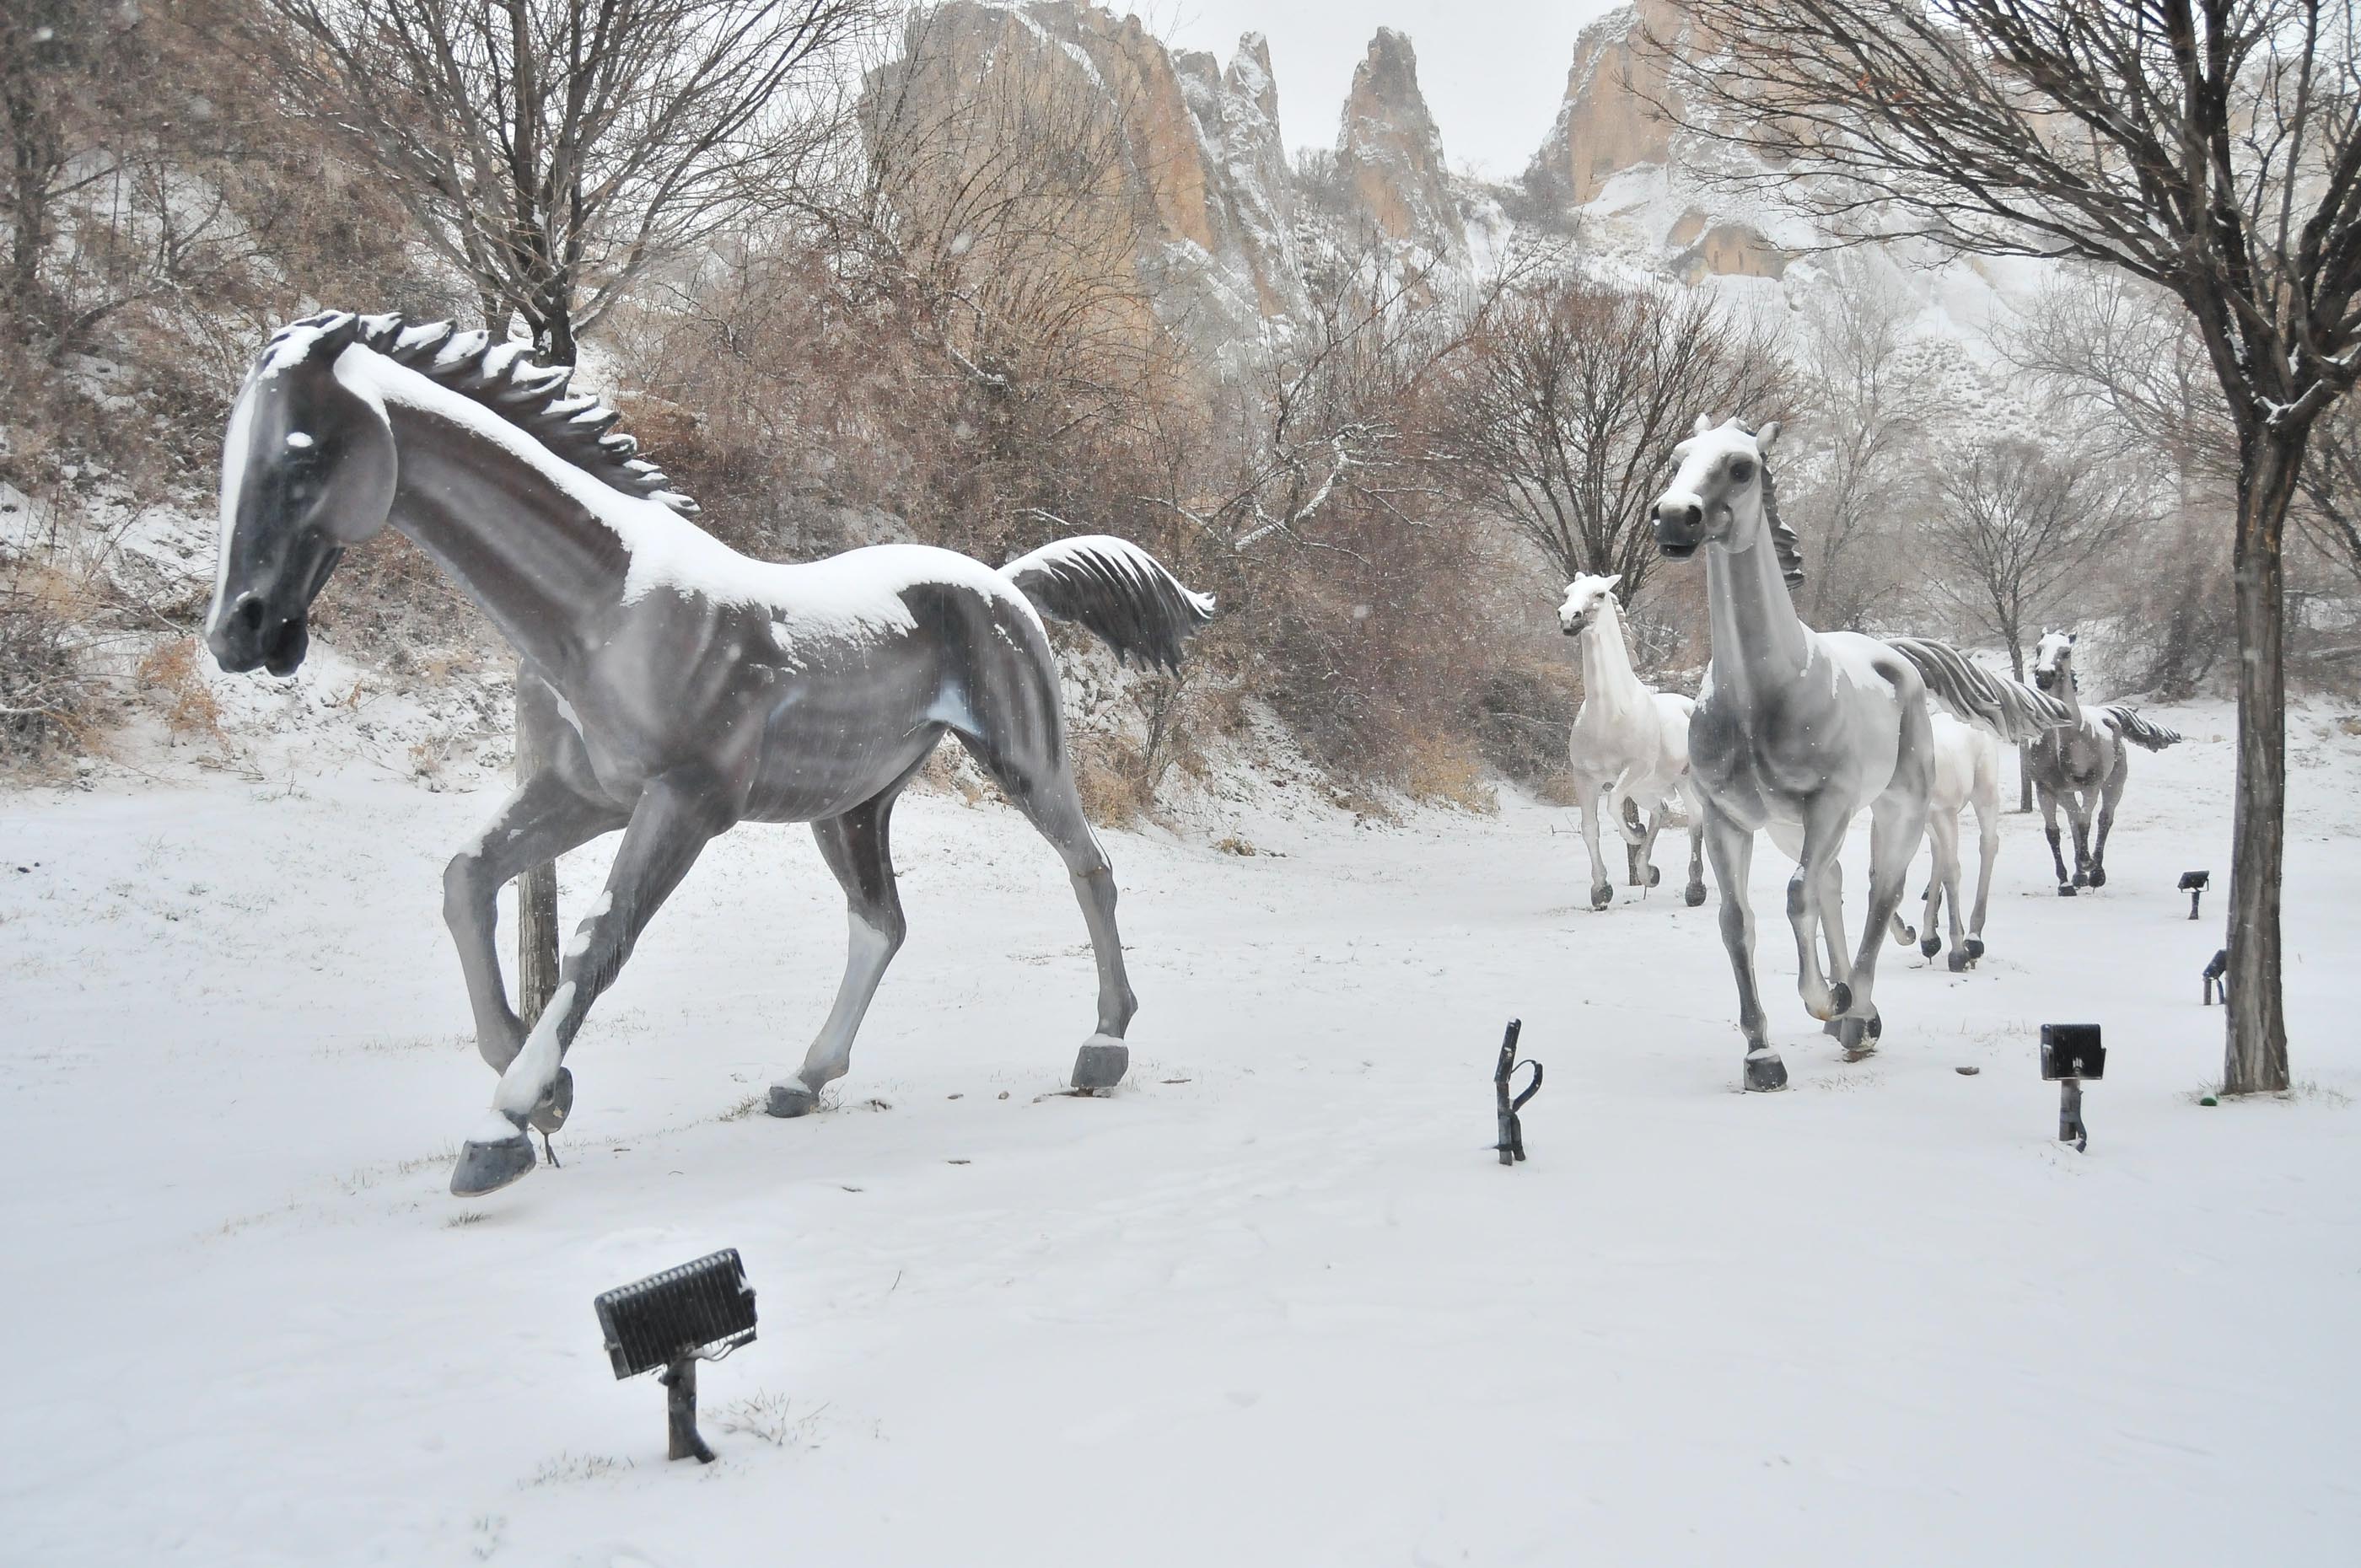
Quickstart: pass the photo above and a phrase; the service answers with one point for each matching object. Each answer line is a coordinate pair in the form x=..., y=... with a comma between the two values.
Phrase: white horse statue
x=1630, y=744
x=1967, y=772
x=1797, y=731
x=2084, y=764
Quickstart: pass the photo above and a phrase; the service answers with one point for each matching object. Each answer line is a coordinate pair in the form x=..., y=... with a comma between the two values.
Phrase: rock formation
x=1389, y=155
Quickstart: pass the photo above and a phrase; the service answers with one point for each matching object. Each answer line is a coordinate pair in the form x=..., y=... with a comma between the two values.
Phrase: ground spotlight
x=2194, y=883
x=2071, y=1053
x=698, y=1311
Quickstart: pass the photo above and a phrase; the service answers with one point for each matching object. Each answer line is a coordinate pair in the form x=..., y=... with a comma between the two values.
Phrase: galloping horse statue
x=1796, y=731
x=2084, y=764
x=1967, y=771
x=1629, y=744
x=687, y=687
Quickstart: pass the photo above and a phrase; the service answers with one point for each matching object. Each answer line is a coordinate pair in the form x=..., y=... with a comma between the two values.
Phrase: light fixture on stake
x=2071, y=1053
x=698, y=1311
x=2194, y=883
x=2217, y=977
x=1512, y=1128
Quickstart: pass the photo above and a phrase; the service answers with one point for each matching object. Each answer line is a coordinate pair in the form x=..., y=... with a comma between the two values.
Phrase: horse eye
x=1740, y=470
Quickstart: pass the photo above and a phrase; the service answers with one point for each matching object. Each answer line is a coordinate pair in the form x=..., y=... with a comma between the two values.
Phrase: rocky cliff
x=1389, y=154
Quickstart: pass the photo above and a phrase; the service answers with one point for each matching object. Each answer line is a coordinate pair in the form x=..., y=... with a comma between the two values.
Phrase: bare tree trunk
x=2255, y=1060
x=2024, y=753
x=536, y=889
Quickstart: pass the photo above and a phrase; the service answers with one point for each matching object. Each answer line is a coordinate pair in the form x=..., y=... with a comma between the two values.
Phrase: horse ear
x=1765, y=436
x=1703, y=424
x=2069, y=637
x=1614, y=580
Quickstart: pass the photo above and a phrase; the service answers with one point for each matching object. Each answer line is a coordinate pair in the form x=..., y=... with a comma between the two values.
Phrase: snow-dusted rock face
x=1390, y=155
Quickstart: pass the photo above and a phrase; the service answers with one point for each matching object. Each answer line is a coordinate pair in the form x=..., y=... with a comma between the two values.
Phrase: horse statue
x=1629, y=745
x=1796, y=730
x=2084, y=763
x=1967, y=771
x=678, y=687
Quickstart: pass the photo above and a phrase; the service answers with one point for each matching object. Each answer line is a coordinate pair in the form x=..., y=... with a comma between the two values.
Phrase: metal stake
x=2071, y=1129
x=1512, y=1128
x=680, y=1412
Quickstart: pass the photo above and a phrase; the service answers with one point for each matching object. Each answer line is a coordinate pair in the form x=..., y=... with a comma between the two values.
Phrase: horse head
x=308, y=467
x=2053, y=662
x=1587, y=598
x=1721, y=494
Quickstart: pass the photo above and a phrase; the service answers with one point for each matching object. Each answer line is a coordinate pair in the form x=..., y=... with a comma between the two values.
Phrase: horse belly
x=830, y=745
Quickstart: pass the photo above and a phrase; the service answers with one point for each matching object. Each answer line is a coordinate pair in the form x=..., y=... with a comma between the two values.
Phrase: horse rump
x=1117, y=590
x=2138, y=730
x=2010, y=709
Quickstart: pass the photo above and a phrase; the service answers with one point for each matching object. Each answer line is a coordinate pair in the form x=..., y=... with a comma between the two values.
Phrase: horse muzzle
x=248, y=637
x=1680, y=529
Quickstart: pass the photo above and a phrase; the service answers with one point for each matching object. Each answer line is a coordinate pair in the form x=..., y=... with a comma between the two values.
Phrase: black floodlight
x=2194, y=883
x=2071, y=1053
x=1512, y=1128
x=698, y=1311
x=2217, y=977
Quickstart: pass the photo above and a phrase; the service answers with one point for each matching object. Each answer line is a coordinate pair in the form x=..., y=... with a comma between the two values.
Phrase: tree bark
x=2255, y=1059
x=537, y=888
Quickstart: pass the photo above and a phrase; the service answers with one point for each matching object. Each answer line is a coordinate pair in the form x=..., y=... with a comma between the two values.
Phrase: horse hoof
x=2098, y=876
x=1601, y=897
x=1908, y=935
x=2065, y=890
x=1839, y=1000
x=1856, y=1037
x=1694, y=895
x=1975, y=949
x=489, y=1167
x=1959, y=961
x=1764, y=1072
x=1101, y=1064
x=1876, y=1024
x=2083, y=879
x=556, y=1106
x=791, y=1099
x=1930, y=946
x=1654, y=876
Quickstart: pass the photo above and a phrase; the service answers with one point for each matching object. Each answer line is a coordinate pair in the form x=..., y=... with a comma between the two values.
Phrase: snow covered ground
x=1271, y=1303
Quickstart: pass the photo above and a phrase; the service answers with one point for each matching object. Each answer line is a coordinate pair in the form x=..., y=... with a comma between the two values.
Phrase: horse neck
x=533, y=558
x=1606, y=671
x=1756, y=633
x=2068, y=693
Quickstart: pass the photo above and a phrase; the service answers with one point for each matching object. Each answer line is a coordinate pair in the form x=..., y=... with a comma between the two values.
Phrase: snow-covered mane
x=497, y=376
x=1783, y=538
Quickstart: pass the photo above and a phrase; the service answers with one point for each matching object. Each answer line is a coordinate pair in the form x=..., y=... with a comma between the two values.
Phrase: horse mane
x=502, y=378
x=1790, y=548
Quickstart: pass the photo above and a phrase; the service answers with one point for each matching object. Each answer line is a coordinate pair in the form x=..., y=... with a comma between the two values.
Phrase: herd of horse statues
x=677, y=688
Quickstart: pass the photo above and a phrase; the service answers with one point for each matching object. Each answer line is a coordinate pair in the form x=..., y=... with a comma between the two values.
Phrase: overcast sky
x=1493, y=71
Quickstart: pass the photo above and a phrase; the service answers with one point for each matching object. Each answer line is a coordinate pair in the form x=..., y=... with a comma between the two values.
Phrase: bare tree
x=2015, y=529
x=554, y=150
x=1860, y=428
x=2211, y=147
x=1567, y=403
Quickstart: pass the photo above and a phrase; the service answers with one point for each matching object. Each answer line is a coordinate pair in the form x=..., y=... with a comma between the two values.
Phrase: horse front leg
x=1897, y=821
x=678, y=814
x=1602, y=892
x=2078, y=814
x=1825, y=819
x=1694, y=893
x=1732, y=848
x=2050, y=828
x=2112, y=792
x=541, y=820
x=1944, y=833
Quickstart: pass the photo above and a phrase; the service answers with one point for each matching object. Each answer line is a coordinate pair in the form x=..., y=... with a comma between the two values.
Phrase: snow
x=1273, y=1302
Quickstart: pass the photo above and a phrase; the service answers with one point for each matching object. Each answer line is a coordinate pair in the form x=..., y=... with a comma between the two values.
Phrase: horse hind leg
x=1039, y=780
x=1644, y=856
x=1693, y=893
x=1987, y=852
x=858, y=847
x=1945, y=833
x=1824, y=829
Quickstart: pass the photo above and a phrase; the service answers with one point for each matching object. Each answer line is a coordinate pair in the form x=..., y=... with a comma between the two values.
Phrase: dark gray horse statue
x=1797, y=731
x=684, y=687
x=2085, y=764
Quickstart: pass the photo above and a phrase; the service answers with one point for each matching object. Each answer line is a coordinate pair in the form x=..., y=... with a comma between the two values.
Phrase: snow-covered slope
x=1272, y=1302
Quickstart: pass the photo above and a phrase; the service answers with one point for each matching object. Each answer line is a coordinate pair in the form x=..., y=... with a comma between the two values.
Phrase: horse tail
x=1117, y=590
x=2138, y=730
x=2010, y=709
